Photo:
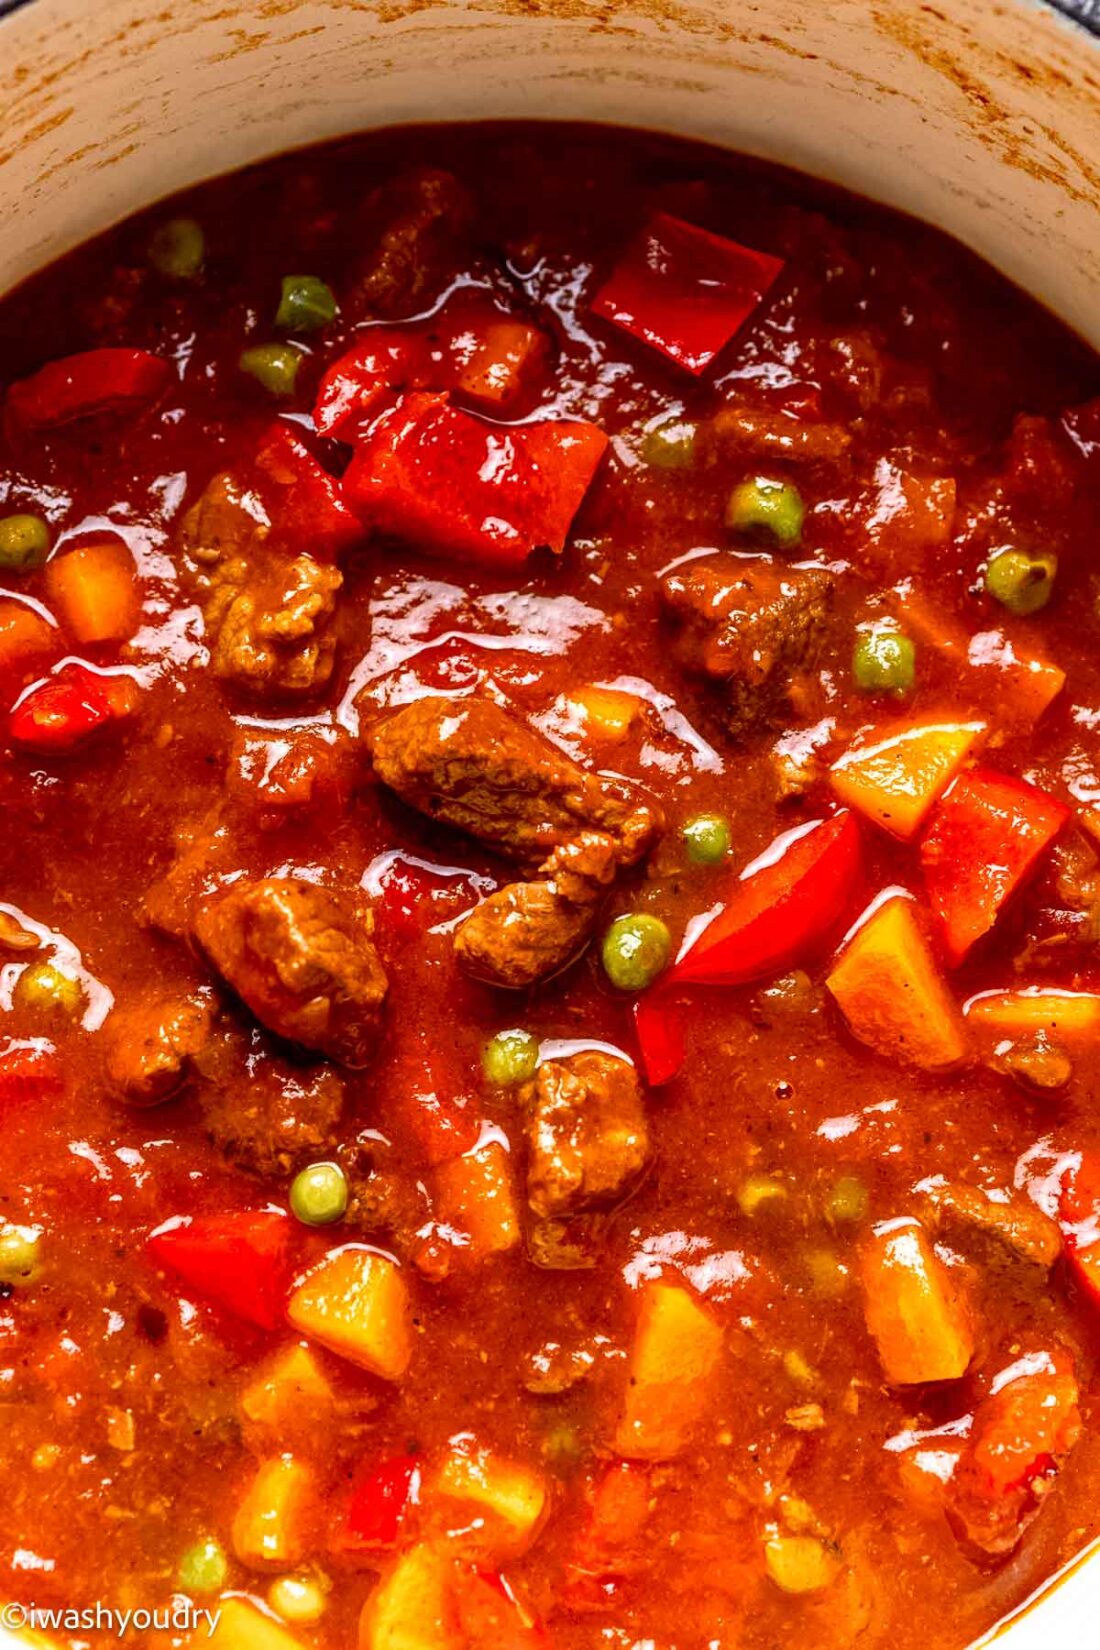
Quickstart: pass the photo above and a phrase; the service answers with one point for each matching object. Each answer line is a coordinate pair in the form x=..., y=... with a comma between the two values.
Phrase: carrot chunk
x=94, y=591
x=356, y=1303
x=677, y=1347
x=25, y=638
x=477, y=1197
x=889, y=990
x=893, y=776
x=1034, y=1011
x=917, y=1316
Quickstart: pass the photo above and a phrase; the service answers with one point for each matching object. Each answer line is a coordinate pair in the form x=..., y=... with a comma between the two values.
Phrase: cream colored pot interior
x=983, y=118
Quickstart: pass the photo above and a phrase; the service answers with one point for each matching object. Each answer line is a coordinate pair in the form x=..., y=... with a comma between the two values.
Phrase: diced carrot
x=1079, y=1213
x=984, y=839
x=501, y=1504
x=503, y=356
x=917, y=1316
x=25, y=638
x=1012, y=680
x=413, y=1606
x=908, y=514
x=892, y=995
x=477, y=1197
x=94, y=590
x=273, y=1524
x=608, y=714
x=289, y=1396
x=356, y=1303
x=242, y=1625
x=1063, y=1014
x=677, y=1347
x=893, y=776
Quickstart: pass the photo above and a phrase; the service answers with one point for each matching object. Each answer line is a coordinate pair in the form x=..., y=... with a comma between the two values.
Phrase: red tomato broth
x=772, y=1084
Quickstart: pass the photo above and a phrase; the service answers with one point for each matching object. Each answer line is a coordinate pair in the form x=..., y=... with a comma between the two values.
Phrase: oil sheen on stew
x=549, y=904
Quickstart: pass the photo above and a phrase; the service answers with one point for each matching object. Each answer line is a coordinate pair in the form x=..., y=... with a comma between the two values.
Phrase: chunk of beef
x=1012, y=1220
x=472, y=764
x=745, y=432
x=413, y=225
x=152, y=1045
x=587, y=1134
x=265, y=1115
x=530, y=931
x=752, y=626
x=302, y=959
x=268, y=615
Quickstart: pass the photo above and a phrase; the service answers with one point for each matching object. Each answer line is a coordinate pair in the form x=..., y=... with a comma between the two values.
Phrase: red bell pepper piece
x=658, y=1024
x=450, y=482
x=386, y=358
x=240, y=1261
x=308, y=509
x=1079, y=1211
x=27, y=1072
x=685, y=291
x=381, y=1495
x=491, y=1616
x=414, y=896
x=781, y=909
x=88, y=385
x=984, y=838
x=63, y=710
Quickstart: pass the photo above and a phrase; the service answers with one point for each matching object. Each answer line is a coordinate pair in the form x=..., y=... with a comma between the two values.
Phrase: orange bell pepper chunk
x=890, y=992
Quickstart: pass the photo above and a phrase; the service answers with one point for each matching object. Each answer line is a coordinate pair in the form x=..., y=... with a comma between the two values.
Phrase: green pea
x=1020, y=582
x=884, y=661
x=669, y=443
x=24, y=543
x=847, y=1201
x=510, y=1057
x=767, y=505
x=178, y=248
x=203, y=1567
x=47, y=989
x=306, y=305
x=319, y=1194
x=20, y=1254
x=635, y=950
x=275, y=366
x=707, y=839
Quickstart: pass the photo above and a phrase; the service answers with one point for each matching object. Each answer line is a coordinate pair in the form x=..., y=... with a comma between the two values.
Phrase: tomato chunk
x=381, y=1495
x=308, y=510
x=62, y=711
x=984, y=838
x=88, y=385
x=782, y=907
x=1079, y=1211
x=452, y=483
x=240, y=1261
x=685, y=291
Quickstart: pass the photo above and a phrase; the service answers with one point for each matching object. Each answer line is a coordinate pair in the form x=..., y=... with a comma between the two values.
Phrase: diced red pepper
x=658, y=1023
x=27, y=1072
x=1080, y=1216
x=240, y=1261
x=86, y=386
x=415, y=896
x=381, y=1495
x=984, y=838
x=63, y=710
x=685, y=291
x=781, y=910
x=386, y=358
x=452, y=483
x=1022, y=1432
x=308, y=509
x=491, y=1616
